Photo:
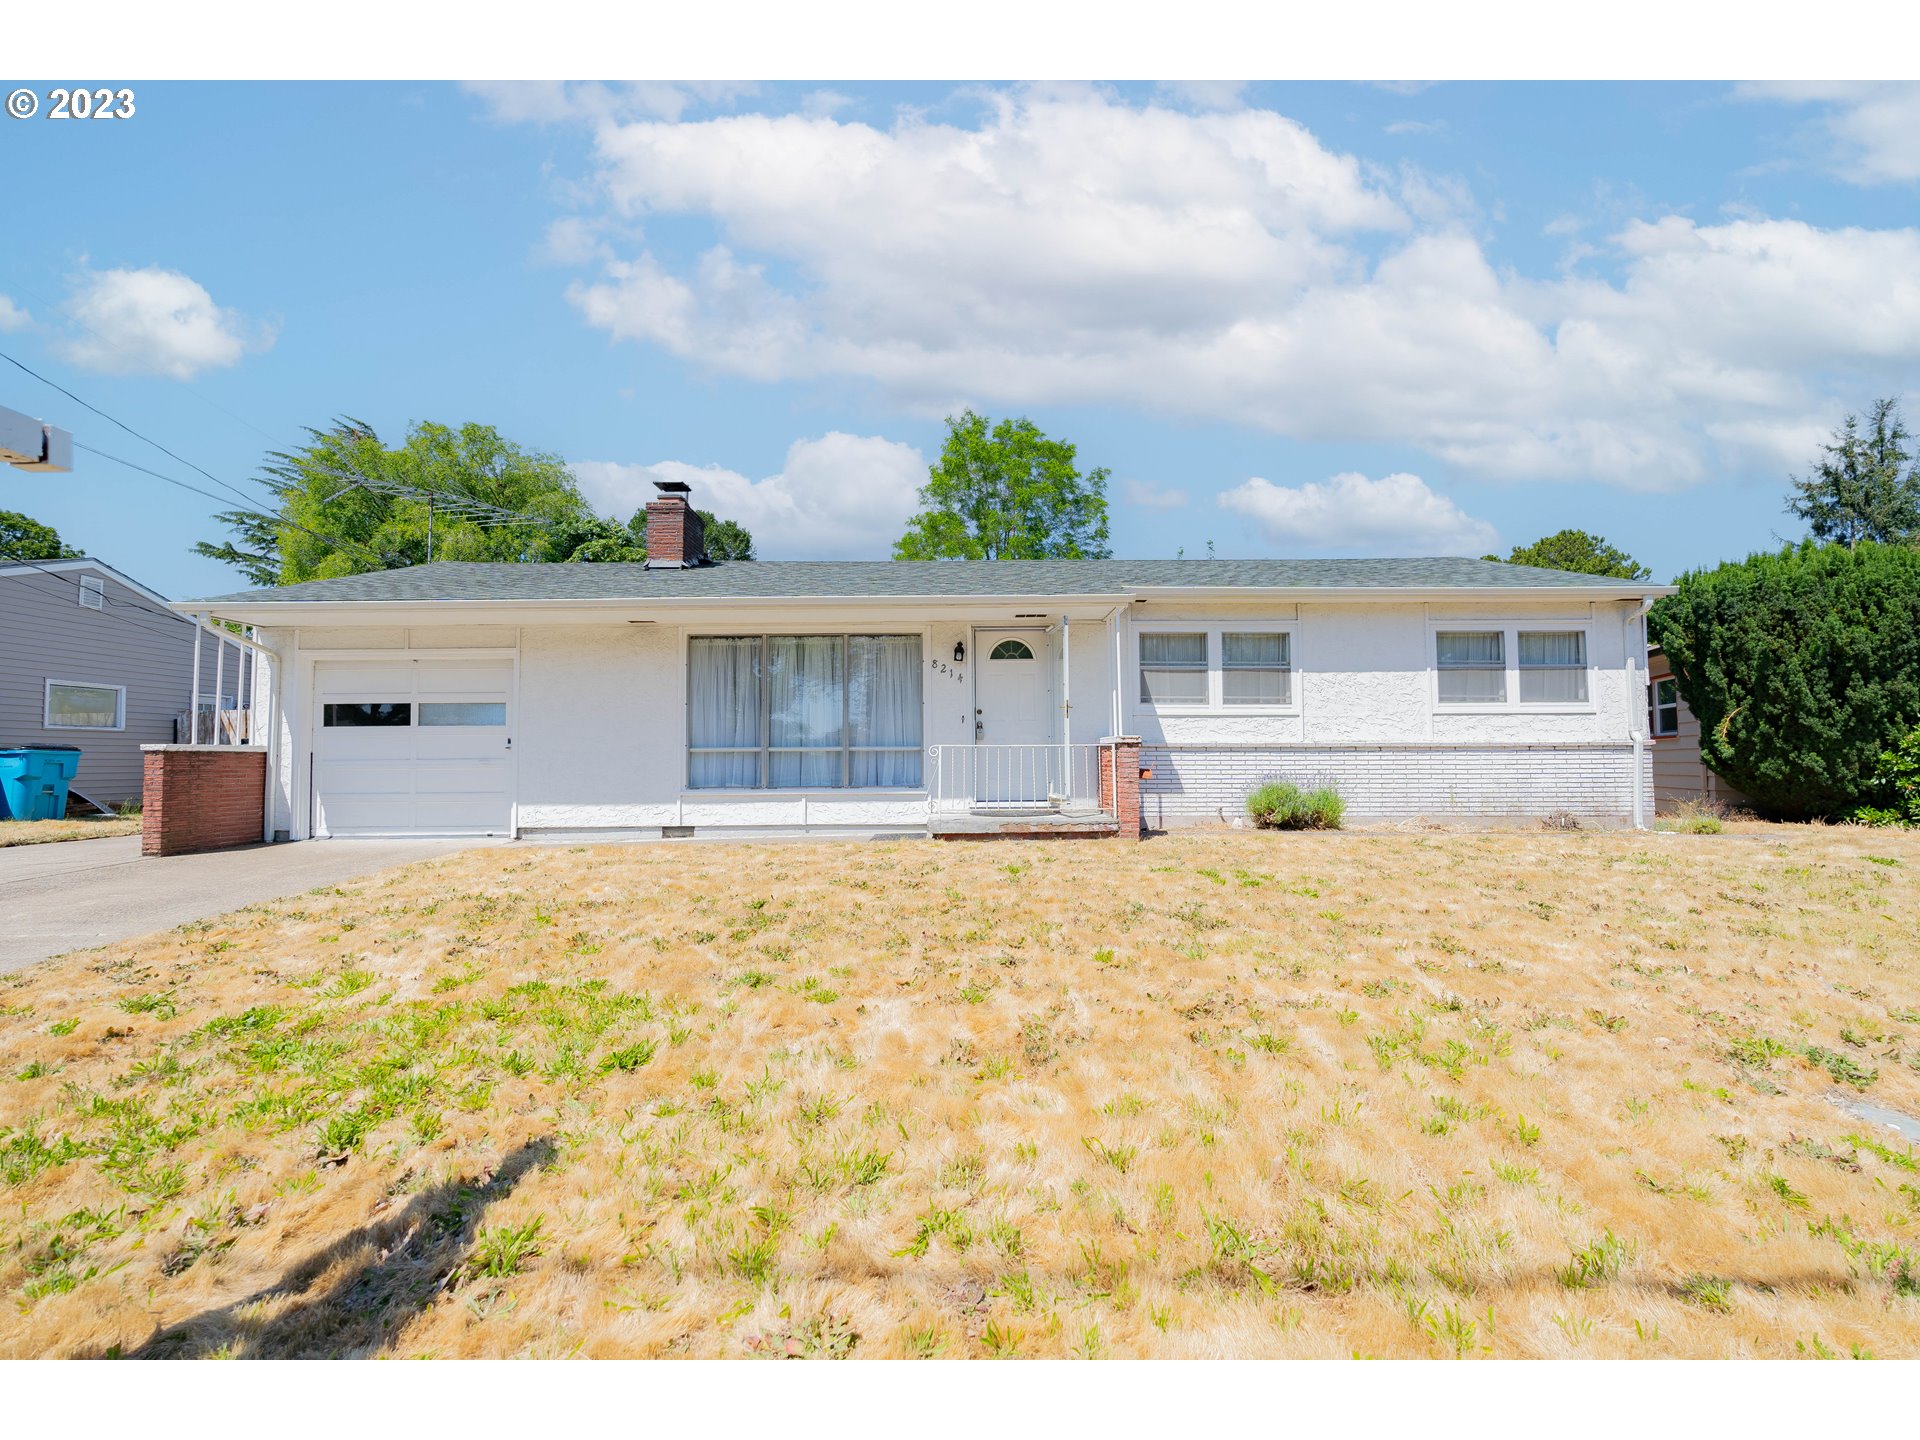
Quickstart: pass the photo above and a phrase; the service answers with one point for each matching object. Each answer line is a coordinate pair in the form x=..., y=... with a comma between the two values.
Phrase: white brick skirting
x=1387, y=782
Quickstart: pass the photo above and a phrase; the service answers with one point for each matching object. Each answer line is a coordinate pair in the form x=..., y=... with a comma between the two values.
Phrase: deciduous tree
x=1007, y=493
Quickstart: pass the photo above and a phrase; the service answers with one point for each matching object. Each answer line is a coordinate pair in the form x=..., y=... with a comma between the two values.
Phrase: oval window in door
x=1011, y=650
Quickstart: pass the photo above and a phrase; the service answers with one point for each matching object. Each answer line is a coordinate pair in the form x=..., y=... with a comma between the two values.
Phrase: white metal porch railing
x=1013, y=777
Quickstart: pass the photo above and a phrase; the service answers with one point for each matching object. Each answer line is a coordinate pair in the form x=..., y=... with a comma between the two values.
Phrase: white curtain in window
x=723, y=690
x=1173, y=668
x=1472, y=667
x=1553, y=665
x=805, y=692
x=1254, y=669
x=883, y=709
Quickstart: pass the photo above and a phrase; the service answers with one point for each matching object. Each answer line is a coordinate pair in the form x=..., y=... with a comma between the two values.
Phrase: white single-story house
x=682, y=696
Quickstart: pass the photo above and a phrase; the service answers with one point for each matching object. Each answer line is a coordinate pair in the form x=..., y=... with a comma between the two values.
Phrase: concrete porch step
x=1023, y=825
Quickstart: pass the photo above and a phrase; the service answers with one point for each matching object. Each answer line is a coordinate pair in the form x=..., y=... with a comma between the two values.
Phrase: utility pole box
x=29, y=444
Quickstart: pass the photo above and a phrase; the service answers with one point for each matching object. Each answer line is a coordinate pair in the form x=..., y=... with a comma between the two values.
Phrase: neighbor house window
x=72, y=706
x=1473, y=667
x=1553, y=667
x=772, y=712
x=1664, y=713
x=93, y=593
x=1255, y=668
x=1173, y=667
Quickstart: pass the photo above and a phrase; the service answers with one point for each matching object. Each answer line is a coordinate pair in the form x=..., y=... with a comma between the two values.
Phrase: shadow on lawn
x=408, y=1259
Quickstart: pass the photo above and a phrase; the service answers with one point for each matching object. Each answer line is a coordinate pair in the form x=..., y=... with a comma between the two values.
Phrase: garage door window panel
x=463, y=712
x=366, y=714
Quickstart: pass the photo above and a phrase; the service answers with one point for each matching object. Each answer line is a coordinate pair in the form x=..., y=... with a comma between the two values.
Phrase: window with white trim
x=1173, y=667
x=93, y=593
x=792, y=712
x=1472, y=666
x=74, y=706
x=1215, y=668
x=1553, y=667
x=1511, y=667
x=1256, y=667
x=1663, y=713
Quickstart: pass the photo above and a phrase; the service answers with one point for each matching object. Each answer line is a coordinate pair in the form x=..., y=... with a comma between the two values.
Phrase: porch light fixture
x=959, y=652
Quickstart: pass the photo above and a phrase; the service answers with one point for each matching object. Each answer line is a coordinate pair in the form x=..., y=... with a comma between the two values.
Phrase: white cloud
x=838, y=497
x=1872, y=128
x=1395, y=515
x=1075, y=249
x=154, y=322
x=12, y=316
x=1152, y=497
x=1416, y=127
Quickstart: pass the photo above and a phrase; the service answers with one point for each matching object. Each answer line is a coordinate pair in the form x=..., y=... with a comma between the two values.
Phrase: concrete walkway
x=81, y=893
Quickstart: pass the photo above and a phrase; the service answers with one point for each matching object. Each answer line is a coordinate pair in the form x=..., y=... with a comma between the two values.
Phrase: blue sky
x=1301, y=318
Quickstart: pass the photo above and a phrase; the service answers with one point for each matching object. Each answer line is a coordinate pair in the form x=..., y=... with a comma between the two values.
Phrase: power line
x=268, y=516
x=243, y=498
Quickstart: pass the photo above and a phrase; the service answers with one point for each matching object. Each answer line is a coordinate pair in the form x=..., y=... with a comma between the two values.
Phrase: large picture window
x=788, y=712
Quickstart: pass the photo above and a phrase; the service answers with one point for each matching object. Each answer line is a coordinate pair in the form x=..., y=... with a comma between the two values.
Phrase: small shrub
x=1561, y=820
x=1897, y=775
x=1282, y=805
x=1695, y=817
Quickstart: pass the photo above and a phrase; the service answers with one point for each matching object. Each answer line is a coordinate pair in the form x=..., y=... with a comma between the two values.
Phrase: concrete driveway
x=81, y=893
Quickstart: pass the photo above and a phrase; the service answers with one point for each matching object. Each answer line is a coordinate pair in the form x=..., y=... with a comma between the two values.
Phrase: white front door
x=1013, y=761
x=412, y=747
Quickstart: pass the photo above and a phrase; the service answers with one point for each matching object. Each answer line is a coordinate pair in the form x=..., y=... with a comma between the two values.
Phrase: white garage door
x=413, y=747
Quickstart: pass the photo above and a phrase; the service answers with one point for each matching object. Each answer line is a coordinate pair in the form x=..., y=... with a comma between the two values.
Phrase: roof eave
x=1617, y=591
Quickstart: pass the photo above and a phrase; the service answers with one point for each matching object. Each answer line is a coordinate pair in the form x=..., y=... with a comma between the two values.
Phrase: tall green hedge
x=1801, y=667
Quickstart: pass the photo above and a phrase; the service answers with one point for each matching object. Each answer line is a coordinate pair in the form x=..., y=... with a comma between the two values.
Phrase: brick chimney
x=676, y=535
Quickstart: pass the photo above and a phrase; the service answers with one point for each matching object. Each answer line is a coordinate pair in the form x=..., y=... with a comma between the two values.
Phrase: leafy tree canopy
x=1006, y=493
x=1580, y=552
x=1802, y=667
x=24, y=538
x=1863, y=487
x=349, y=503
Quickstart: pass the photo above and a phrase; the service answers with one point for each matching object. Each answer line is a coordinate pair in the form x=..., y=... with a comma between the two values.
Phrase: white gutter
x=296, y=611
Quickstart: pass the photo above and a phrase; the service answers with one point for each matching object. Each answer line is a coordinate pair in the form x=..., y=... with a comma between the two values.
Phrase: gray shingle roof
x=880, y=579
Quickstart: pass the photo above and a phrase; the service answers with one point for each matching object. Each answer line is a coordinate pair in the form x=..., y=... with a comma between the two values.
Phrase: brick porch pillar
x=201, y=797
x=1120, y=782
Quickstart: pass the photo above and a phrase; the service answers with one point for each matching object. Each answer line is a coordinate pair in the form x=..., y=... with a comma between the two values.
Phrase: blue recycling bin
x=34, y=780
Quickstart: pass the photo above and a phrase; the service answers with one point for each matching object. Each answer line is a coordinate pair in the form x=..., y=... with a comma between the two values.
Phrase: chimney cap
x=673, y=487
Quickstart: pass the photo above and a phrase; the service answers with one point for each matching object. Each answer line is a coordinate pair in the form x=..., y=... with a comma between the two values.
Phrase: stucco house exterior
x=683, y=697
x=93, y=658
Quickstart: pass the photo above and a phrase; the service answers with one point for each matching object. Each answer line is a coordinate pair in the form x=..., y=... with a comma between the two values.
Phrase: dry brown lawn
x=46, y=832
x=1227, y=1094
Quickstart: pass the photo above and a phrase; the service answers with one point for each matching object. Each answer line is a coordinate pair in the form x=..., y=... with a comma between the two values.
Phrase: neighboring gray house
x=93, y=658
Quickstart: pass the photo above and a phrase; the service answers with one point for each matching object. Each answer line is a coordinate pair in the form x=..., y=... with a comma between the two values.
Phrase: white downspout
x=1636, y=707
